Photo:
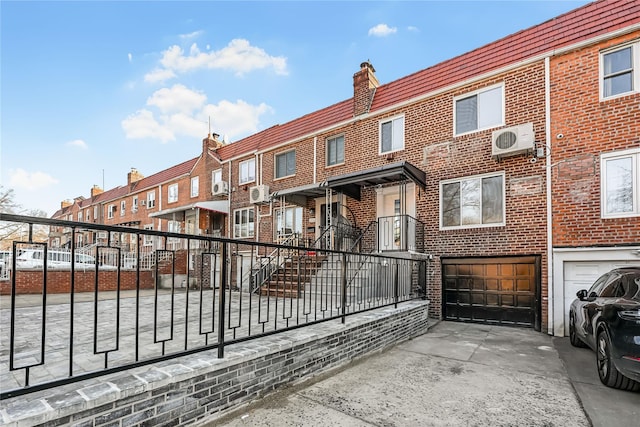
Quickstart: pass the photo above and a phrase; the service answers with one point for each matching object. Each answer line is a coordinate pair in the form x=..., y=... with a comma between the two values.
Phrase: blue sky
x=90, y=89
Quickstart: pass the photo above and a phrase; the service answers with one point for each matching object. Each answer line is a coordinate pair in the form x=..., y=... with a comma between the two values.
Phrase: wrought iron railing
x=400, y=233
x=66, y=325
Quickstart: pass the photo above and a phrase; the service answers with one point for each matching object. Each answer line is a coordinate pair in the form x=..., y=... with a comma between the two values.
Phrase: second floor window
x=247, y=171
x=123, y=207
x=285, y=164
x=95, y=212
x=151, y=199
x=216, y=176
x=479, y=110
x=392, y=135
x=173, y=193
x=620, y=183
x=335, y=150
x=134, y=205
x=110, y=210
x=620, y=70
x=80, y=216
x=195, y=183
x=472, y=202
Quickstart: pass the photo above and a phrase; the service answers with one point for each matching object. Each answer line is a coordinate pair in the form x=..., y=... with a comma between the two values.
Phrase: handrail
x=363, y=260
x=264, y=266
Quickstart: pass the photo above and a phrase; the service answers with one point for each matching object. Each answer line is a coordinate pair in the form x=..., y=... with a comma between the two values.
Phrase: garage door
x=501, y=291
x=581, y=275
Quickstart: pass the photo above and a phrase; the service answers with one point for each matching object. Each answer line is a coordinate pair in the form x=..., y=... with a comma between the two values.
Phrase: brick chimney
x=211, y=142
x=95, y=190
x=134, y=176
x=65, y=204
x=364, y=87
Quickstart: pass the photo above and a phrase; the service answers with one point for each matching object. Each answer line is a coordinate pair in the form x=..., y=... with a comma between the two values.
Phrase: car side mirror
x=582, y=294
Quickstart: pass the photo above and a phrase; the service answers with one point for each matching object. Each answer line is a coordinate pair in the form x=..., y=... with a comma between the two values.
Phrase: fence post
x=396, y=290
x=343, y=286
x=221, y=294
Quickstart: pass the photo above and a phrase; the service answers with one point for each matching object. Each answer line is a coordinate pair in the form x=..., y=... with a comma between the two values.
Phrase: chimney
x=211, y=142
x=134, y=176
x=364, y=87
x=65, y=204
x=95, y=190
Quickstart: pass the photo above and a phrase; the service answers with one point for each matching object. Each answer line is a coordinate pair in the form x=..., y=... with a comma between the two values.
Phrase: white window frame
x=634, y=155
x=195, y=186
x=172, y=193
x=216, y=176
x=148, y=240
x=334, y=139
x=110, y=210
x=250, y=165
x=151, y=199
x=79, y=216
x=247, y=232
x=635, y=70
x=275, y=164
x=123, y=207
x=87, y=215
x=95, y=212
x=477, y=93
x=397, y=141
x=501, y=223
x=134, y=204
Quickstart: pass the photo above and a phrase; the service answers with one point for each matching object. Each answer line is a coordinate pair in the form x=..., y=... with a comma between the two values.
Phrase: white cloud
x=235, y=119
x=413, y=29
x=77, y=143
x=192, y=35
x=21, y=179
x=130, y=56
x=238, y=56
x=382, y=30
x=159, y=75
x=142, y=125
x=177, y=99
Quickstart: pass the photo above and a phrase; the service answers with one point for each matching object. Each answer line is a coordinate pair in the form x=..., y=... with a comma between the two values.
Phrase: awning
x=178, y=212
x=351, y=183
x=299, y=195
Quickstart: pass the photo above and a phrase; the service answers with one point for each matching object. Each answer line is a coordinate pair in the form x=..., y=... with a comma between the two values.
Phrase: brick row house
x=513, y=169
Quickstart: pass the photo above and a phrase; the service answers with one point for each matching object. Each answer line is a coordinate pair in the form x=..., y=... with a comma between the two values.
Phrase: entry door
x=396, y=225
x=389, y=223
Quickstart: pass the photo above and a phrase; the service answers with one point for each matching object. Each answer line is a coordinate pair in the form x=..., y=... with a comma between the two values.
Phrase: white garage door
x=581, y=275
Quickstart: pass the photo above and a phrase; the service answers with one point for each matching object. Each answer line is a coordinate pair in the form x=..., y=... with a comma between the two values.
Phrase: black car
x=606, y=318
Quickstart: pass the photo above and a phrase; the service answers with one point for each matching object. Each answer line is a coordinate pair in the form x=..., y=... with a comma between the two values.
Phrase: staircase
x=291, y=277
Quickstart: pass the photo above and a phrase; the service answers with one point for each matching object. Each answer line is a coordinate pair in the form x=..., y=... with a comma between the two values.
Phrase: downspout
x=256, y=226
x=159, y=205
x=547, y=112
x=229, y=234
x=315, y=158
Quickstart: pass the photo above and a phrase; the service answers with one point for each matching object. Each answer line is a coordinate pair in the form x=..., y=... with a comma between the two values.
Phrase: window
x=247, y=171
x=472, y=202
x=134, y=204
x=148, y=240
x=216, y=176
x=123, y=207
x=80, y=216
x=87, y=214
x=285, y=164
x=620, y=187
x=110, y=210
x=151, y=199
x=95, y=212
x=195, y=183
x=480, y=110
x=173, y=193
x=620, y=70
x=335, y=150
x=292, y=222
x=392, y=135
x=243, y=223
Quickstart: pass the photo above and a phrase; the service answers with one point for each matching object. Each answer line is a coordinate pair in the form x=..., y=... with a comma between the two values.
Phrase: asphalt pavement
x=457, y=374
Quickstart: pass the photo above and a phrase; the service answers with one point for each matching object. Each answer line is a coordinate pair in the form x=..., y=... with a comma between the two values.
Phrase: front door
x=395, y=212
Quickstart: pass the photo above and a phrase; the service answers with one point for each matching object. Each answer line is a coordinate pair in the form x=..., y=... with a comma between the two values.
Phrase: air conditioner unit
x=259, y=194
x=143, y=202
x=512, y=141
x=220, y=188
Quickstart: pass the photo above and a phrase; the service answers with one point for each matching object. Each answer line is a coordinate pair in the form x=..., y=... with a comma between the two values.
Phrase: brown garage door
x=501, y=291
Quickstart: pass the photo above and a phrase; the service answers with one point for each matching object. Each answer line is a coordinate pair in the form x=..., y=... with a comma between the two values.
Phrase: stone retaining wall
x=190, y=389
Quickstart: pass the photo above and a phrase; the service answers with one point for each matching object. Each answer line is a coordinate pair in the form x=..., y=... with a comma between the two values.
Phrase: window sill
x=283, y=177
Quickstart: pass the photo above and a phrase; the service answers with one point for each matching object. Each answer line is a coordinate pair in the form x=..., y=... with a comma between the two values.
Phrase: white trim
x=472, y=226
x=635, y=69
x=476, y=93
x=562, y=255
x=253, y=159
x=391, y=119
x=275, y=164
x=547, y=125
x=634, y=155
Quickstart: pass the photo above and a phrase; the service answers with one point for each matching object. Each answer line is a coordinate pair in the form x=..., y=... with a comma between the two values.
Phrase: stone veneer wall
x=189, y=389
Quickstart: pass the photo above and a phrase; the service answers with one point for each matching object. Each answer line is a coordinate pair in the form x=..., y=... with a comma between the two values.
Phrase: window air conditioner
x=259, y=194
x=143, y=202
x=220, y=188
x=512, y=141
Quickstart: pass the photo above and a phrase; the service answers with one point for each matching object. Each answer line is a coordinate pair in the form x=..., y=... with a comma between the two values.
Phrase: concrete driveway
x=457, y=374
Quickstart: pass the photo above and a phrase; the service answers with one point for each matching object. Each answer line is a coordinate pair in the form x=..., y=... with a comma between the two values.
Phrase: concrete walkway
x=456, y=375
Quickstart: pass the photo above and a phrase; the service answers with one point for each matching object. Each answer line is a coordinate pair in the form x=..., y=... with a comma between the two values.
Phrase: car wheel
x=607, y=371
x=573, y=338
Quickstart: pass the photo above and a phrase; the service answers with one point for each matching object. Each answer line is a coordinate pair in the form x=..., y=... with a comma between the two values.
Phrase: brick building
x=459, y=163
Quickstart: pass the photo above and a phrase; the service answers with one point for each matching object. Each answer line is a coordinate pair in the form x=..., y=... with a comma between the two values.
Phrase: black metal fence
x=66, y=319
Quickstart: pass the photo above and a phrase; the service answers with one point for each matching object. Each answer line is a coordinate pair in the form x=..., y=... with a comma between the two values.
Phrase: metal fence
x=191, y=293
